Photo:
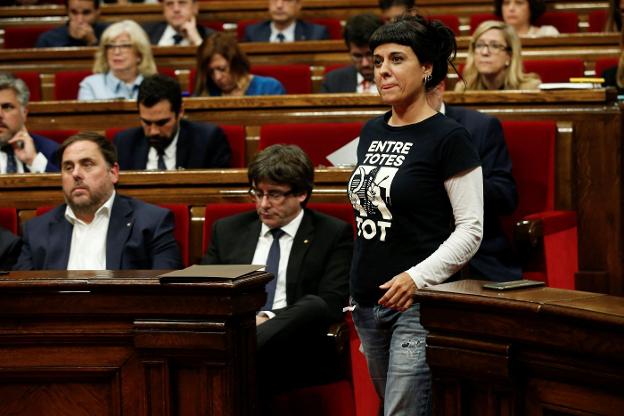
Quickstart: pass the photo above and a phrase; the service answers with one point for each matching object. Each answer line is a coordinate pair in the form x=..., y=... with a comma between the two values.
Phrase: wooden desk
x=112, y=343
x=523, y=352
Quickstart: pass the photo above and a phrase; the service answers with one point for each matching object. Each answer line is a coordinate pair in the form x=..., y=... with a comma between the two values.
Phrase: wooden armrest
x=338, y=332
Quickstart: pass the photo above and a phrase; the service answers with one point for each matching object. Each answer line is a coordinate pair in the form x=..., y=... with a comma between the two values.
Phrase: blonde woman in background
x=123, y=58
x=494, y=61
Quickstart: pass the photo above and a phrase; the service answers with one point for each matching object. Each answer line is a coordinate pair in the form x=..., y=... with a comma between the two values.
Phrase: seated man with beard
x=96, y=228
x=165, y=141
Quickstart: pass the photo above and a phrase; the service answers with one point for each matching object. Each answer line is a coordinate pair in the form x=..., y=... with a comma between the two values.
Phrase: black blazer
x=155, y=31
x=261, y=32
x=140, y=236
x=340, y=80
x=317, y=276
x=495, y=259
x=10, y=246
x=200, y=146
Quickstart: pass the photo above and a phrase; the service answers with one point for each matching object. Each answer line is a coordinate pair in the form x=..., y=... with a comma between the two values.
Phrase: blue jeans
x=394, y=346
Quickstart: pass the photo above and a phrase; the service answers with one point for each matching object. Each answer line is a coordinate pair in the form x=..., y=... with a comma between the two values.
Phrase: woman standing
x=494, y=61
x=123, y=58
x=417, y=192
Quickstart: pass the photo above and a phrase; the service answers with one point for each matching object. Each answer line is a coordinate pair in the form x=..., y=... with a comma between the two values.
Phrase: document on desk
x=203, y=273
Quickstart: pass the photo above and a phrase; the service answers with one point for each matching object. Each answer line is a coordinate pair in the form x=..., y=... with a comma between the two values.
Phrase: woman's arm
x=465, y=192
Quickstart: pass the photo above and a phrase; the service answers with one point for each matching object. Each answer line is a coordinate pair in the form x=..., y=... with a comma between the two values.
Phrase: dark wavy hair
x=431, y=41
x=536, y=9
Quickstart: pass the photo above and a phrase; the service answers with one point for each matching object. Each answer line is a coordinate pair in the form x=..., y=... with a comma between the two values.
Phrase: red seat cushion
x=603, y=64
x=67, y=83
x=556, y=70
x=296, y=78
x=23, y=36
x=318, y=140
x=33, y=82
x=478, y=18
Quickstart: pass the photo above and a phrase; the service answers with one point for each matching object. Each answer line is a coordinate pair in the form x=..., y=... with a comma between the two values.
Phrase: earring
x=427, y=78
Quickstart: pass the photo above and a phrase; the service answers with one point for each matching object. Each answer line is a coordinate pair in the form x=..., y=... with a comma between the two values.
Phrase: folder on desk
x=204, y=273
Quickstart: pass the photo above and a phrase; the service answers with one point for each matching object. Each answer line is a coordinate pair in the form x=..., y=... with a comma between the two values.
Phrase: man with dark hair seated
x=21, y=151
x=165, y=141
x=284, y=26
x=359, y=76
x=82, y=28
x=180, y=25
x=97, y=229
x=394, y=8
x=309, y=254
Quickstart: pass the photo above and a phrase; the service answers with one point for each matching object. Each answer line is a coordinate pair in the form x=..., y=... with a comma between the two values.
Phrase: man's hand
x=83, y=31
x=261, y=318
x=24, y=146
x=400, y=292
x=189, y=31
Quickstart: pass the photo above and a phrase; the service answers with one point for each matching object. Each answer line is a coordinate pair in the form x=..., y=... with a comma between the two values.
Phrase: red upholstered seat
x=556, y=70
x=296, y=78
x=182, y=224
x=605, y=63
x=33, y=82
x=531, y=146
x=598, y=20
x=477, y=18
x=450, y=20
x=170, y=72
x=317, y=139
x=8, y=219
x=58, y=136
x=67, y=83
x=112, y=132
x=211, y=24
x=23, y=36
x=565, y=22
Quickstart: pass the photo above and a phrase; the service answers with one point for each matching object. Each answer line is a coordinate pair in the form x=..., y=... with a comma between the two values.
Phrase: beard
x=86, y=205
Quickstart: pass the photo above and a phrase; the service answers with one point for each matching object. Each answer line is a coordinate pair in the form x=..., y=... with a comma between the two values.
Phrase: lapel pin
x=306, y=241
x=129, y=224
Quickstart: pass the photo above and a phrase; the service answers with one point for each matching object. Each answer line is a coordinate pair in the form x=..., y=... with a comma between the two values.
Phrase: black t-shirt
x=402, y=210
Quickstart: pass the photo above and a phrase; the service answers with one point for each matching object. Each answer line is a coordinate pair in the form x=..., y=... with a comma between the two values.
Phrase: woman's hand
x=400, y=293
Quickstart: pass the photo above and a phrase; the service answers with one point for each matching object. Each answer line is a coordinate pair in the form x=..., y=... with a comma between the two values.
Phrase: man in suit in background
x=359, y=76
x=97, y=229
x=82, y=28
x=495, y=259
x=180, y=26
x=165, y=141
x=21, y=151
x=311, y=270
x=394, y=8
x=10, y=246
x=284, y=25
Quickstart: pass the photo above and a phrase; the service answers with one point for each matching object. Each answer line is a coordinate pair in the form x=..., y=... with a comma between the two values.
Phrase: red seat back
x=296, y=78
x=181, y=230
x=477, y=18
x=318, y=140
x=67, y=83
x=450, y=20
x=342, y=211
x=33, y=82
x=605, y=63
x=556, y=70
x=58, y=136
x=8, y=219
x=236, y=138
x=23, y=36
x=565, y=22
x=598, y=20
x=531, y=147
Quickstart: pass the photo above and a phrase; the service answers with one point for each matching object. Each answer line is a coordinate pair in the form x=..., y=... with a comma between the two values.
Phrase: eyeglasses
x=491, y=47
x=122, y=46
x=359, y=57
x=273, y=196
x=159, y=123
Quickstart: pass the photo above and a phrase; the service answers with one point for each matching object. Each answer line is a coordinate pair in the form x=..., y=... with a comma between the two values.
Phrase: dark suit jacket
x=495, y=259
x=155, y=31
x=261, y=32
x=48, y=148
x=10, y=246
x=200, y=146
x=340, y=80
x=317, y=276
x=140, y=236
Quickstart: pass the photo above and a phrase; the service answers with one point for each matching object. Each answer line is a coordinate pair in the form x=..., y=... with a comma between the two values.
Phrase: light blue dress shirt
x=108, y=87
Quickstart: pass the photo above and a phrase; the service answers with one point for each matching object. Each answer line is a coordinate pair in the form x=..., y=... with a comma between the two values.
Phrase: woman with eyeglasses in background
x=223, y=70
x=522, y=16
x=123, y=58
x=494, y=61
